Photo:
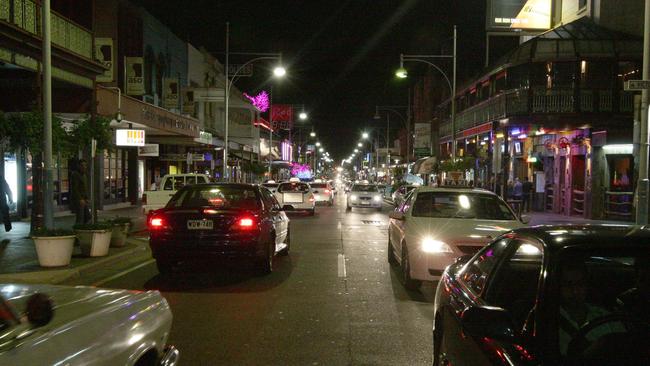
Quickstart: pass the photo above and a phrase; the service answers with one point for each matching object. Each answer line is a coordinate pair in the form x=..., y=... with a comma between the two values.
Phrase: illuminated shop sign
x=129, y=137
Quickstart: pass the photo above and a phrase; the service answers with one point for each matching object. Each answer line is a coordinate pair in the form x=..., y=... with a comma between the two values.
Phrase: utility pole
x=226, y=92
x=48, y=218
x=643, y=183
x=453, y=104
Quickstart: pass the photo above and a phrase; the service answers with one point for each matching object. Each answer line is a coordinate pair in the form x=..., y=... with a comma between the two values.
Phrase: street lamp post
x=279, y=71
x=405, y=121
x=48, y=217
x=402, y=73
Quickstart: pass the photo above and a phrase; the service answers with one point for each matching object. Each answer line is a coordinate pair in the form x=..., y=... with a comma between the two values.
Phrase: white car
x=60, y=325
x=323, y=193
x=271, y=185
x=400, y=193
x=298, y=195
x=169, y=185
x=434, y=226
x=365, y=196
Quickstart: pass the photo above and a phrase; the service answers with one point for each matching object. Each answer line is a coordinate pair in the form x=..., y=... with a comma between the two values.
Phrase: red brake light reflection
x=156, y=223
x=246, y=222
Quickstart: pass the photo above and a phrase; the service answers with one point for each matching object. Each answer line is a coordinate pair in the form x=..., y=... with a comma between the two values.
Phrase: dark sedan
x=219, y=222
x=548, y=295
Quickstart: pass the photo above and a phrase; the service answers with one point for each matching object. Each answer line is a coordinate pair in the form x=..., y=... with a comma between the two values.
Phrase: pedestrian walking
x=79, y=193
x=5, y=196
x=527, y=190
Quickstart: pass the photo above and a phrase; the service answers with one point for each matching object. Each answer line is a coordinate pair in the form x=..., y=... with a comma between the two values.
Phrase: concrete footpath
x=19, y=263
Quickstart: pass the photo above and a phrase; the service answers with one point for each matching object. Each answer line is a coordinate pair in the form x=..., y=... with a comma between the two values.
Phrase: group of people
x=79, y=197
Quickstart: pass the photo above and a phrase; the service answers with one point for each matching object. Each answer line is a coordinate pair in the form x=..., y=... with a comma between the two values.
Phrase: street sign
x=422, y=152
x=245, y=71
x=631, y=85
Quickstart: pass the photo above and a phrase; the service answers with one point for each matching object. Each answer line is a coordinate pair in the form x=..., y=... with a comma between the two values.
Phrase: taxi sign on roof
x=294, y=179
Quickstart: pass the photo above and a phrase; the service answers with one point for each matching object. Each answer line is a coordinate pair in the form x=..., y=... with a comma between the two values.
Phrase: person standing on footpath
x=527, y=190
x=79, y=196
x=5, y=195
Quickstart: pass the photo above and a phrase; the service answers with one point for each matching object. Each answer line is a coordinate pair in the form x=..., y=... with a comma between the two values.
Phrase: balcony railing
x=26, y=15
x=557, y=100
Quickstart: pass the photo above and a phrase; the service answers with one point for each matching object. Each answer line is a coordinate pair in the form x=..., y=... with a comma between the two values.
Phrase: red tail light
x=144, y=199
x=157, y=222
x=327, y=191
x=246, y=223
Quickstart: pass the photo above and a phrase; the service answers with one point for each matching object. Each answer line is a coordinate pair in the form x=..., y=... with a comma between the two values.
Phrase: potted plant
x=121, y=227
x=94, y=239
x=53, y=247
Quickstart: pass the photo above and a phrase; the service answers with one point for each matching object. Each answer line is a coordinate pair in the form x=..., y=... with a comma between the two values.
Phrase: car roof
x=587, y=235
x=455, y=190
x=222, y=184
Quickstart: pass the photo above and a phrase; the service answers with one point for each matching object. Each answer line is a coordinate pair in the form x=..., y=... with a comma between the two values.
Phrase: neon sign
x=260, y=101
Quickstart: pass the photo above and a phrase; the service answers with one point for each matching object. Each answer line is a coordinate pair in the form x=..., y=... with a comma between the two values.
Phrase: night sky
x=341, y=55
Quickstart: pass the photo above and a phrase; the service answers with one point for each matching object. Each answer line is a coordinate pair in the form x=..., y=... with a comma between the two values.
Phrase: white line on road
x=342, y=265
x=123, y=273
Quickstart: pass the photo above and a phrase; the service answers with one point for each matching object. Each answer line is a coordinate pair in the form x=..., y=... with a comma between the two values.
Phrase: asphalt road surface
x=333, y=301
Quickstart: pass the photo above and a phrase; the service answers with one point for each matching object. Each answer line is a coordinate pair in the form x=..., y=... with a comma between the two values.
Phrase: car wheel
x=312, y=212
x=287, y=241
x=330, y=203
x=409, y=283
x=348, y=208
x=164, y=267
x=391, y=253
x=266, y=264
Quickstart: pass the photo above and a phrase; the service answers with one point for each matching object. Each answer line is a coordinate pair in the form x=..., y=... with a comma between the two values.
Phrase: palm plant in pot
x=121, y=227
x=94, y=238
x=53, y=247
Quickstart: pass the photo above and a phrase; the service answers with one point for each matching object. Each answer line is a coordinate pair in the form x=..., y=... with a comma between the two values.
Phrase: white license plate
x=200, y=224
x=292, y=198
x=365, y=202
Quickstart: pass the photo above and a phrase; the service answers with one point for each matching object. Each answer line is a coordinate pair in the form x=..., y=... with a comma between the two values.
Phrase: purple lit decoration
x=260, y=101
x=301, y=171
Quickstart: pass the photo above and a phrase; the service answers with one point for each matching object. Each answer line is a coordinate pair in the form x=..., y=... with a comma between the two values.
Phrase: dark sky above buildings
x=341, y=54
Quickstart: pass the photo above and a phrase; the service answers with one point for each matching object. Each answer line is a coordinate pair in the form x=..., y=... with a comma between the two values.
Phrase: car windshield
x=224, y=197
x=460, y=205
x=608, y=285
x=364, y=188
x=293, y=187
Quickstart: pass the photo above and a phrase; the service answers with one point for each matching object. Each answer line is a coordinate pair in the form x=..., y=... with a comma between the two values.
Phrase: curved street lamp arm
x=435, y=66
x=234, y=76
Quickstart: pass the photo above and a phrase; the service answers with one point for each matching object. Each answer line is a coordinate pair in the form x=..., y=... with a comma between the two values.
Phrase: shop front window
x=621, y=168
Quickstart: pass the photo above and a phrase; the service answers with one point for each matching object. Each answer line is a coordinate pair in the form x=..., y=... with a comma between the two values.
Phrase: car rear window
x=223, y=197
x=270, y=185
x=293, y=187
x=460, y=205
x=319, y=185
x=364, y=188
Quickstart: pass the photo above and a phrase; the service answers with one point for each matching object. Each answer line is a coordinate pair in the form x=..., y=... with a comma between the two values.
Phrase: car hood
x=72, y=303
x=461, y=230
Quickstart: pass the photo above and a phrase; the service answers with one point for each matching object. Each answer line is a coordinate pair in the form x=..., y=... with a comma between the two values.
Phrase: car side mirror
x=287, y=208
x=488, y=321
x=397, y=215
x=39, y=310
x=525, y=219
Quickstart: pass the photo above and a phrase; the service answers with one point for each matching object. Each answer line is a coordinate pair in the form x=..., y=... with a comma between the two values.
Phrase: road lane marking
x=123, y=273
x=342, y=273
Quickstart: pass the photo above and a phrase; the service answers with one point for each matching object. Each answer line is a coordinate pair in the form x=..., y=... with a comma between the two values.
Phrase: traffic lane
x=303, y=313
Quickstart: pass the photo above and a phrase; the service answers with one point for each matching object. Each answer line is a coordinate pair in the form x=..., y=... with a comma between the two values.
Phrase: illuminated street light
x=359, y=144
x=356, y=151
x=303, y=116
x=401, y=73
x=317, y=143
x=365, y=135
x=279, y=71
x=321, y=150
x=312, y=134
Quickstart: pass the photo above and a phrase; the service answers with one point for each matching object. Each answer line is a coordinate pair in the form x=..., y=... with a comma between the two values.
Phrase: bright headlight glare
x=463, y=200
x=430, y=245
x=353, y=197
x=377, y=198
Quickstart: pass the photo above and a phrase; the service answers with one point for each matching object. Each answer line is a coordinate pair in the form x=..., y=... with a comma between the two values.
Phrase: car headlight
x=354, y=197
x=377, y=198
x=430, y=245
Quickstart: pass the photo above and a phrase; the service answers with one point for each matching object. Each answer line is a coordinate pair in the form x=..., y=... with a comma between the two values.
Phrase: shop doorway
x=578, y=185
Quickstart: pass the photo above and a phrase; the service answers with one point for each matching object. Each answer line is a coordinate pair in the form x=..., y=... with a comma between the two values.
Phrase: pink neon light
x=260, y=101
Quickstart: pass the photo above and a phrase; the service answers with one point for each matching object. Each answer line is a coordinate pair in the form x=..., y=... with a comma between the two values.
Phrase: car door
x=278, y=217
x=505, y=274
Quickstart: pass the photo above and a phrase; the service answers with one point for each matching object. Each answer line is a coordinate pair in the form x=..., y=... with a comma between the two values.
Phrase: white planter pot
x=54, y=251
x=120, y=232
x=94, y=243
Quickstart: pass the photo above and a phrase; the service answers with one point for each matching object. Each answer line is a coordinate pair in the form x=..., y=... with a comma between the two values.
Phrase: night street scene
x=354, y=182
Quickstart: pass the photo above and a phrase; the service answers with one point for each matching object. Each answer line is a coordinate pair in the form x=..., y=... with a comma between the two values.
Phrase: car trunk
x=196, y=222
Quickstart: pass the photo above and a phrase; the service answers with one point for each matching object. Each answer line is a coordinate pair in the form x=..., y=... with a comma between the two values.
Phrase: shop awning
x=424, y=165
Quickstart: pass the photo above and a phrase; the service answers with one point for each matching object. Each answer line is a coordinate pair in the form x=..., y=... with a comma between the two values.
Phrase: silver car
x=323, y=193
x=364, y=195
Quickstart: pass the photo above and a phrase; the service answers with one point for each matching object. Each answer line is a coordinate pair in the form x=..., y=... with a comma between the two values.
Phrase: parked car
x=400, y=193
x=271, y=185
x=548, y=295
x=57, y=325
x=219, y=222
x=323, y=193
x=169, y=185
x=297, y=195
x=434, y=226
x=364, y=196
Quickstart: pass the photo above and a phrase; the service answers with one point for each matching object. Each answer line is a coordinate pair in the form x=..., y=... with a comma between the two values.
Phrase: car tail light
x=210, y=211
x=144, y=198
x=157, y=222
x=327, y=191
x=311, y=199
x=246, y=223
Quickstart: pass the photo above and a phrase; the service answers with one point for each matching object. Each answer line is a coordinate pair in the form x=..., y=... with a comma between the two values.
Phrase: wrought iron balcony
x=26, y=15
